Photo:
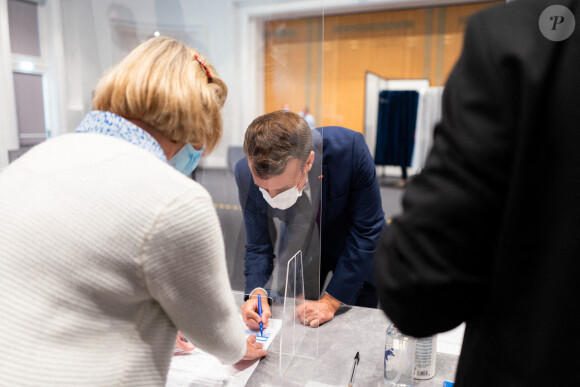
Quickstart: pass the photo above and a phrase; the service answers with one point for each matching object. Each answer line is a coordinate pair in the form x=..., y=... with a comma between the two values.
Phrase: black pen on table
x=354, y=364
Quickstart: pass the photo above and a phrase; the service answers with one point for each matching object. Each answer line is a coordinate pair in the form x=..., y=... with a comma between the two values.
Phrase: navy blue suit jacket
x=351, y=214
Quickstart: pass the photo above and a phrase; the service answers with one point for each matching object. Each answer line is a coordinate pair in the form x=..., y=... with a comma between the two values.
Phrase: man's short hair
x=273, y=139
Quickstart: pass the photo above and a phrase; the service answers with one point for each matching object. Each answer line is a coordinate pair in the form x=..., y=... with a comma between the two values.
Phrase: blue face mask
x=186, y=159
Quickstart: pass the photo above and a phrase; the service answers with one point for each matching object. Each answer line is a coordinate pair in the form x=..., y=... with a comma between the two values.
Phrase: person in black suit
x=490, y=231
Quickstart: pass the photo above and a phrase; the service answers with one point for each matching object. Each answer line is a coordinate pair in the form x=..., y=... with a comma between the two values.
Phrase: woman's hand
x=183, y=344
x=253, y=349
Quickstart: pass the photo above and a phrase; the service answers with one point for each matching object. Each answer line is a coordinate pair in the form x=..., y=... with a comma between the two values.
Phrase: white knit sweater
x=105, y=251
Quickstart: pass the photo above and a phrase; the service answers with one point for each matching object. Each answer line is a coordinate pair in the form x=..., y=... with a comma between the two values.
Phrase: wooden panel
x=386, y=43
x=329, y=76
x=455, y=21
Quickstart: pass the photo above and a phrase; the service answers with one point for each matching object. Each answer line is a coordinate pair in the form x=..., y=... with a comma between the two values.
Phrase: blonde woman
x=106, y=249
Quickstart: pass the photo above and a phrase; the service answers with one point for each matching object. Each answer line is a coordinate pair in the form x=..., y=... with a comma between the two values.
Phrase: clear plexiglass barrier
x=293, y=340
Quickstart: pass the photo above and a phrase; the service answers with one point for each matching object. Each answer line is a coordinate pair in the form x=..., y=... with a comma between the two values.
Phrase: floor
x=221, y=185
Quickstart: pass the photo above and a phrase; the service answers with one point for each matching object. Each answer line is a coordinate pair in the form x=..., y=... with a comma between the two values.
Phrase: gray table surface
x=352, y=329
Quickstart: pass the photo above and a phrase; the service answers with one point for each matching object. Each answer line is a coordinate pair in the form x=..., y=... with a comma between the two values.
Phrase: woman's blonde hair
x=169, y=86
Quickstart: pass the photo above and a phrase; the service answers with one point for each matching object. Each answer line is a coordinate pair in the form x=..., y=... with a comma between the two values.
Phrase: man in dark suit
x=309, y=179
x=490, y=231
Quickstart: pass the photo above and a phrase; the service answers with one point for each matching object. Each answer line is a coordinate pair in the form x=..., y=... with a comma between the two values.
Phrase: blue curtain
x=396, y=127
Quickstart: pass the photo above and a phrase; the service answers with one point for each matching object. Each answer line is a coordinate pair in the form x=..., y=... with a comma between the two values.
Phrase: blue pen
x=260, y=314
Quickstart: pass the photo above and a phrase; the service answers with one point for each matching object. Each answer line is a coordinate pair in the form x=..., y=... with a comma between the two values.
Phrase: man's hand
x=315, y=313
x=250, y=311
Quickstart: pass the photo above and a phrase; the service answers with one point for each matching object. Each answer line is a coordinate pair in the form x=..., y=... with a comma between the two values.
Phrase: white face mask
x=283, y=200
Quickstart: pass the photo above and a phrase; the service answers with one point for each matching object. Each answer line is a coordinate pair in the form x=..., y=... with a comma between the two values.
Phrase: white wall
x=50, y=64
x=99, y=33
x=8, y=133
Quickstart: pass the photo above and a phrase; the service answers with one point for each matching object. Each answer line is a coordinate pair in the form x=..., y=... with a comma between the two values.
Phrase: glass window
x=23, y=26
x=28, y=93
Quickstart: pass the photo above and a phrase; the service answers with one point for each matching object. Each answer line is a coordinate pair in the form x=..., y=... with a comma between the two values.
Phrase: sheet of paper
x=450, y=342
x=199, y=368
x=269, y=333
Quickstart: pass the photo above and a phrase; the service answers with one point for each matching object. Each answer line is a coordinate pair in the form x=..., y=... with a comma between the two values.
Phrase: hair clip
x=209, y=78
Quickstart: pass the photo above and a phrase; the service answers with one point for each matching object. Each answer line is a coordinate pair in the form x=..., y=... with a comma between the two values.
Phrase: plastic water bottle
x=425, y=357
x=399, y=358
